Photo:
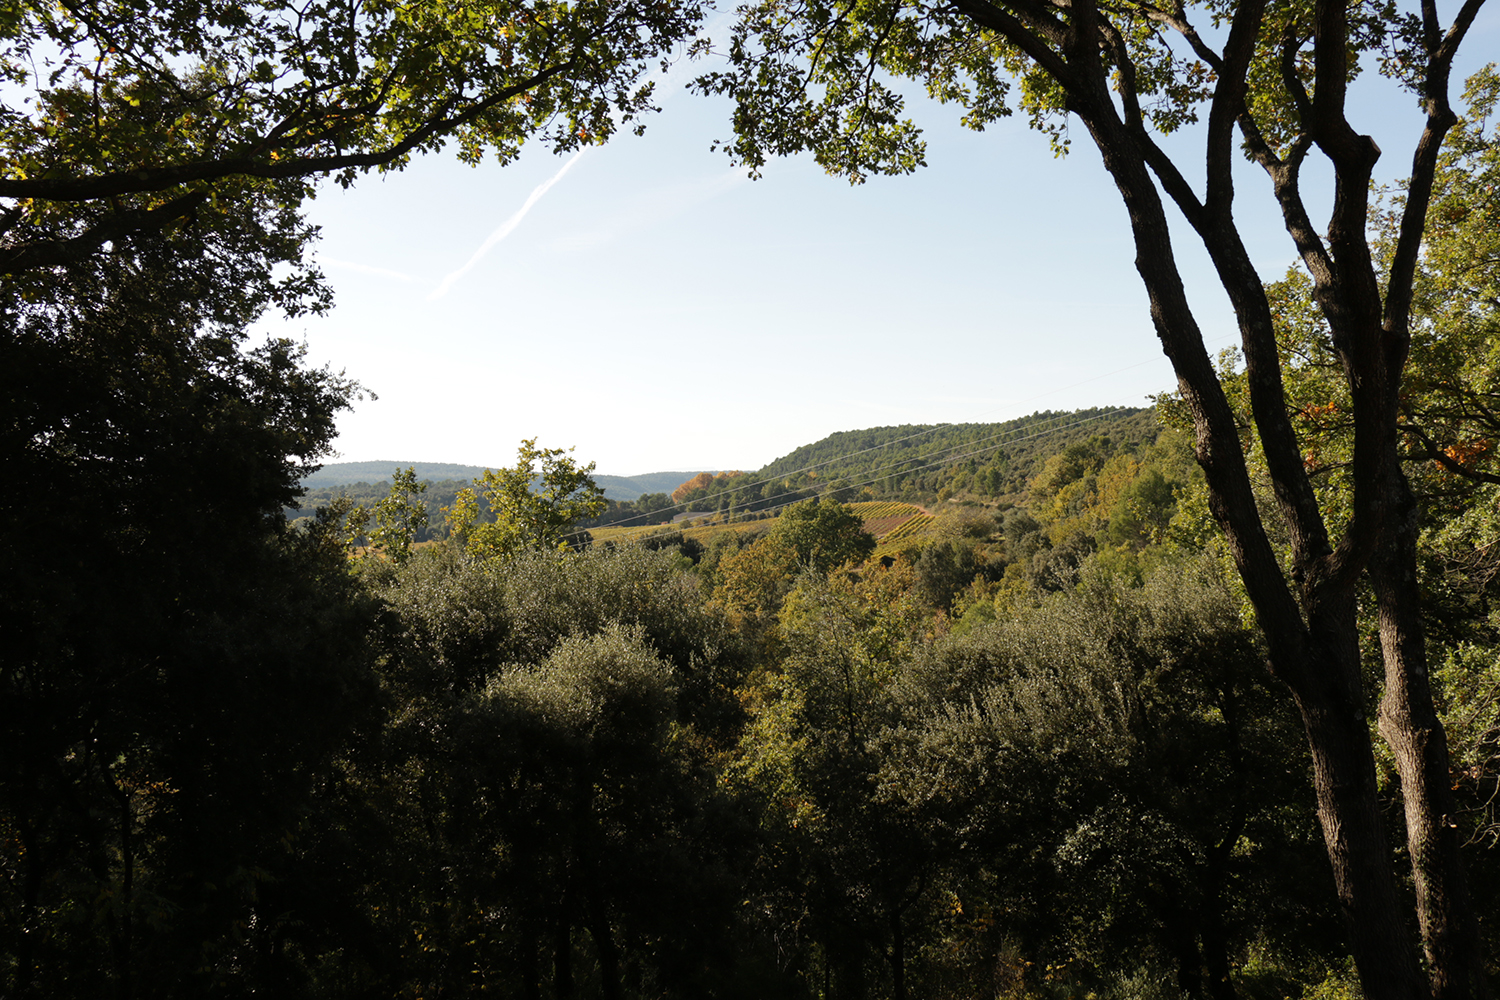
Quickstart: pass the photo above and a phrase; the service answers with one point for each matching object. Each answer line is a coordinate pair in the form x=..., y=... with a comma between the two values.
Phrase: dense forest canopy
x=947, y=711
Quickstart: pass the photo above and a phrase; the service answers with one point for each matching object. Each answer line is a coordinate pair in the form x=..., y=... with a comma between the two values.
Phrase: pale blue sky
x=657, y=310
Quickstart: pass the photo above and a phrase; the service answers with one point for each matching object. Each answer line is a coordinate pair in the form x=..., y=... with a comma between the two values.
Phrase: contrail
x=506, y=227
x=656, y=76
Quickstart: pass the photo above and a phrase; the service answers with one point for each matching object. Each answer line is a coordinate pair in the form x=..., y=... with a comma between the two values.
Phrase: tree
x=1451, y=410
x=177, y=670
x=814, y=76
x=752, y=584
x=129, y=119
x=823, y=533
x=555, y=813
x=401, y=515
x=697, y=484
x=534, y=504
x=946, y=567
x=845, y=866
x=1110, y=773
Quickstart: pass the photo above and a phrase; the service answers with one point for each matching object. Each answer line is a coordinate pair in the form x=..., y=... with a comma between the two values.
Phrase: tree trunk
x=1410, y=726
x=605, y=948
x=1216, y=953
x=124, y=934
x=1184, y=944
x=1349, y=813
x=27, y=928
x=562, y=955
x=1313, y=642
x=898, y=955
x=530, y=960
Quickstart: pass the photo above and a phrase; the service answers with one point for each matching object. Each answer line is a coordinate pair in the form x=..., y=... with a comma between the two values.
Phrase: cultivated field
x=887, y=520
x=882, y=517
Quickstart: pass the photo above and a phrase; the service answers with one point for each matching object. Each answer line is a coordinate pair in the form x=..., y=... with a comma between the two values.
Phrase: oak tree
x=176, y=668
x=823, y=534
x=401, y=516
x=1272, y=77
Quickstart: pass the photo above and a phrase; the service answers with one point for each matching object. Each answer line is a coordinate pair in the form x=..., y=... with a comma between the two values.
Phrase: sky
x=650, y=306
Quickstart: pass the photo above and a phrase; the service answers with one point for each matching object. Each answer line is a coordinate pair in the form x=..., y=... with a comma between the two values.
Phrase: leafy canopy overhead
x=119, y=118
x=820, y=76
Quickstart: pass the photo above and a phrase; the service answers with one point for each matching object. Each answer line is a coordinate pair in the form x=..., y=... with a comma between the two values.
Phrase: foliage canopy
x=126, y=118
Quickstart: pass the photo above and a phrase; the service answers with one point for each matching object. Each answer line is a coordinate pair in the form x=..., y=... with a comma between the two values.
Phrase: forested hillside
x=985, y=463
x=988, y=460
x=378, y=474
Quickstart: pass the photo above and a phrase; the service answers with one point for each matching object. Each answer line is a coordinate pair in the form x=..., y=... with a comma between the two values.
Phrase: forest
x=1200, y=700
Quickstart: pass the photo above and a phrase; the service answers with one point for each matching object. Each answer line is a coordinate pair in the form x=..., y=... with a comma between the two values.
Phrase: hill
x=348, y=473
x=378, y=474
x=987, y=464
x=633, y=487
x=990, y=463
x=990, y=459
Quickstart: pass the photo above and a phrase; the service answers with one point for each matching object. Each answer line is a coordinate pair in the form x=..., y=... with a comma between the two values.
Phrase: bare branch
x=1291, y=42
x=1228, y=100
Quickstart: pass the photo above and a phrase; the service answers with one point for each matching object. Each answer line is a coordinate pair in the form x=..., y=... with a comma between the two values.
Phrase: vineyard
x=912, y=526
x=883, y=518
x=701, y=532
x=614, y=533
x=874, y=510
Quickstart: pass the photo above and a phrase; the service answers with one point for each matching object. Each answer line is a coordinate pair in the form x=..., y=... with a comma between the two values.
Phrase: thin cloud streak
x=506, y=227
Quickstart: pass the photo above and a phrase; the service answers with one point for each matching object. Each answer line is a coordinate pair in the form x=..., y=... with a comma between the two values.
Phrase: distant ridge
x=345, y=473
x=615, y=487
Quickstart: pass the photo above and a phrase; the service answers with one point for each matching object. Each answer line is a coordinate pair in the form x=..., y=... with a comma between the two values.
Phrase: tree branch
x=1228, y=100
x=118, y=225
x=1025, y=37
x=1178, y=22
x=1441, y=457
x=1440, y=119
x=162, y=178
